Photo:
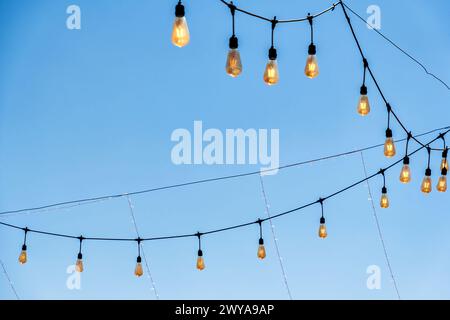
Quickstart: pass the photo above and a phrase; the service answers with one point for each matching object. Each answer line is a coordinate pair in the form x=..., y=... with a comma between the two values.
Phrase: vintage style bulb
x=23, y=255
x=138, y=271
x=405, y=174
x=384, y=201
x=442, y=182
x=426, y=182
x=311, y=67
x=79, y=264
x=271, y=74
x=180, y=31
x=363, y=103
x=444, y=164
x=322, y=228
x=200, y=261
x=389, y=146
x=261, y=249
x=233, y=66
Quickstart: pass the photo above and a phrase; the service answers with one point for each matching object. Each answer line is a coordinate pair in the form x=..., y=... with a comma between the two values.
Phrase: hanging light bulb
x=322, y=228
x=442, y=182
x=180, y=31
x=23, y=255
x=271, y=75
x=384, y=202
x=261, y=249
x=200, y=261
x=233, y=66
x=444, y=162
x=79, y=264
x=405, y=174
x=363, y=103
x=311, y=67
x=426, y=182
x=138, y=270
x=389, y=146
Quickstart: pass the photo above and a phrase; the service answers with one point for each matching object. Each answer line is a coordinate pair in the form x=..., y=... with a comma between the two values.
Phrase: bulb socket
x=363, y=90
x=428, y=172
x=384, y=190
x=312, y=49
x=406, y=160
x=233, y=44
x=388, y=133
x=261, y=241
x=80, y=256
x=200, y=253
x=179, y=10
x=444, y=171
x=139, y=260
x=272, y=53
x=445, y=153
x=322, y=220
x=24, y=247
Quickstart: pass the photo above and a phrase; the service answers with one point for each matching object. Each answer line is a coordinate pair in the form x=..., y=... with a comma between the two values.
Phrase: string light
x=322, y=227
x=79, y=264
x=261, y=249
x=311, y=67
x=384, y=201
x=389, y=146
x=271, y=73
x=180, y=31
x=23, y=258
x=405, y=173
x=426, y=182
x=363, y=108
x=444, y=162
x=138, y=270
x=200, y=260
x=233, y=66
x=442, y=182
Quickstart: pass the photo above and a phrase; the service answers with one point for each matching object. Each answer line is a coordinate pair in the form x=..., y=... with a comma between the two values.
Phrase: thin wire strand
x=11, y=284
x=380, y=233
x=275, y=240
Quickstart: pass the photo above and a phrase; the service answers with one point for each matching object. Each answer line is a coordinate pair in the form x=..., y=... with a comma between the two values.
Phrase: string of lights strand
x=405, y=177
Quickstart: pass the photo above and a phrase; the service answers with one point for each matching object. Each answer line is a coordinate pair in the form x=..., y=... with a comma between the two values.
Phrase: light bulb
x=405, y=174
x=384, y=201
x=200, y=261
x=233, y=66
x=426, y=182
x=389, y=146
x=444, y=164
x=442, y=182
x=311, y=67
x=79, y=264
x=138, y=271
x=23, y=255
x=180, y=31
x=271, y=74
x=363, y=104
x=261, y=249
x=322, y=228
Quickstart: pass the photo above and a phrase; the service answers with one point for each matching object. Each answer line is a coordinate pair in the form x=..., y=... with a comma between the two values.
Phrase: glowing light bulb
x=405, y=174
x=200, y=261
x=444, y=162
x=138, y=271
x=180, y=31
x=389, y=146
x=261, y=249
x=271, y=74
x=23, y=255
x=322, y=229
x=363, y=103
x=311, y=67
x=233, y=66
x=442, y=182
x=79, y=264
x=426, y=182
x=384, y=201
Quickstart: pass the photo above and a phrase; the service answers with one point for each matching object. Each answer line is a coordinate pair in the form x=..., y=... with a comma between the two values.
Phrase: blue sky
x=90, y=112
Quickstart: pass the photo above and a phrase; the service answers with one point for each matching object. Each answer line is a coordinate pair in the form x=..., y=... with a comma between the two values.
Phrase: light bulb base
x=80, y=256
x=322, y=220
x=200, y=253
x=179, y=10
x=363, y=90
x=388, y=133
x=406, y=160
x=428, y=172
x=261, y=241
x=444, y=171
x=312, y=49
x=272, y=53
x=139, y=260
x=233, y=43
x=445, y=153
x=24, y=247
x=384, y=190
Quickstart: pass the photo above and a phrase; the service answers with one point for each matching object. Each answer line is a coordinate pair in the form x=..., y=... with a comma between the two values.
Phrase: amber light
x=180, y=31
x=261, y=249
x=200, y=261
x=426, y=182
x=405, y=174
x=389, y=146
x=442, y=182
x=322, y=229
x=311, y=67
x=23, y=255
x=79, y=264
x=384, y=201
x=271, y=74
x=233, y=66
x=363, y=108
x=138, y=270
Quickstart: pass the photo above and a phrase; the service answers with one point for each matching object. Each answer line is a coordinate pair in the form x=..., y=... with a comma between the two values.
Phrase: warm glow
x=442, y=184
x=384, y=202
x=23, y=257
x=363, y=105
x=180, y=32
x=79, y=265
x=138, y=271
x=311, y=68
x=200, y=263
x=233, y=66
x=261, y=251
x=405, y=174
x=389, y=148
x=444, y=164
x=322, y=231
x=271, y=75
x=426, y=184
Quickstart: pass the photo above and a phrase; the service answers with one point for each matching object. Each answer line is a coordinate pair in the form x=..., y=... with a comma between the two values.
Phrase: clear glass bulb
x=233, y=66
x=405, y=174
x=384, y=202
x=444, y=164
x=261, y=251
x=79, y=265
x=426, y=184
x=323, y=231
x=363, y=105
x=442, y=184
x=389, y=148
x=311, y=67
x=180, y=32
x=138, y=271
x=271, y=75
x=23, y=257
x=200, y=263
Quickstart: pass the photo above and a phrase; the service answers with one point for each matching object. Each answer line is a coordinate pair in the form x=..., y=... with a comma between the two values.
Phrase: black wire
x=429, y=156
x=274, y=24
